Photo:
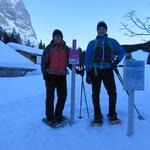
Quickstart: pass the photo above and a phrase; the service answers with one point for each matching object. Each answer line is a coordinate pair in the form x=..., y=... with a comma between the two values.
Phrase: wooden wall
x=13, y=72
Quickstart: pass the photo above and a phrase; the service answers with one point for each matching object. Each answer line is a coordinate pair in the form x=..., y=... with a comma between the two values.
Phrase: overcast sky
x=77, y=19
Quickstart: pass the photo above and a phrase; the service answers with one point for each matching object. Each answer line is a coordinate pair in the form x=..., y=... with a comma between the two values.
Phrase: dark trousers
x=57, y=82
x=107, y=76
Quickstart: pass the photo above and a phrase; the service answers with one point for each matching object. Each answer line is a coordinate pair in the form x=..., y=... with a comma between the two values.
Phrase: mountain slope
x=13, y=14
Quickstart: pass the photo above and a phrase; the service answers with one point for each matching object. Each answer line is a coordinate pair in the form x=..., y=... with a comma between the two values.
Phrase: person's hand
x=80, y=70
x=88, y=78
x=114, y=64
x=45, y=76
x=70, y=66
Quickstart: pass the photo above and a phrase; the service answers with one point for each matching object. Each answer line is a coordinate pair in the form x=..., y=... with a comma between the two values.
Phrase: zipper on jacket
x=59, y=60
x=103, y=50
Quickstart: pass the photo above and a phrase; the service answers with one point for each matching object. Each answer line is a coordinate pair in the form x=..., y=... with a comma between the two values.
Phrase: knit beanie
x=57, y=32
x=102, y=24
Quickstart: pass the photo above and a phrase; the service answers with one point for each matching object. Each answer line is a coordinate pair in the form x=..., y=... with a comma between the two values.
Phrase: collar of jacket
x=62, y=44
x=98, y=37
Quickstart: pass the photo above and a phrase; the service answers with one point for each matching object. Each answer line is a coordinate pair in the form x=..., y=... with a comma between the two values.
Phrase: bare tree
x=136, y=26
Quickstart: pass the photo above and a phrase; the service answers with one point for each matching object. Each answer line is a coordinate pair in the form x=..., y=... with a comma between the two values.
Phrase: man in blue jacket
x=102, y=55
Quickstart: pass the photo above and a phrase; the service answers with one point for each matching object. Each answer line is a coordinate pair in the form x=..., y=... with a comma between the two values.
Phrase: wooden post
x=133, y=79
x=130, y=114
x=73, y=59
x=72, y=95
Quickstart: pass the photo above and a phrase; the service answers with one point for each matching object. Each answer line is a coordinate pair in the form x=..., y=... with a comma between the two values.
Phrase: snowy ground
x=22, y=102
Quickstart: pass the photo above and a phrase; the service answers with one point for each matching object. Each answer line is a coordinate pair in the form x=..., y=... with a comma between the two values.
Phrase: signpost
x=133, y=79
x=73, y=59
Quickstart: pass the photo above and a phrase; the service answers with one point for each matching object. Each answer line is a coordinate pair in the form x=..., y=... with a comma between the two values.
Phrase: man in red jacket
x=54, y=68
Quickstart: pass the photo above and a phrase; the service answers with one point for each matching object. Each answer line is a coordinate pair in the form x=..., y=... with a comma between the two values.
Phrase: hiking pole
x=80, y=115
x=85, y=99
x=80, y=70
x=140, y=117
x=83, y=90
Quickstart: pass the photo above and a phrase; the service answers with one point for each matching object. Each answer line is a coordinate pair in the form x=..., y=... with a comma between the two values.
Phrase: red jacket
x=56, y=58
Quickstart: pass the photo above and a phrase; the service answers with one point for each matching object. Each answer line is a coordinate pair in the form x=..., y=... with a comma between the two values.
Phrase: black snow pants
x=107, y=76
x=57, y=82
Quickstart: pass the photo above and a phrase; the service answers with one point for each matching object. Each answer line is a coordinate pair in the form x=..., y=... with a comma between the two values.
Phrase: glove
x=114, y=64
x=80, y=70
x=45, y=76
x=70, y=66
x=88, y=78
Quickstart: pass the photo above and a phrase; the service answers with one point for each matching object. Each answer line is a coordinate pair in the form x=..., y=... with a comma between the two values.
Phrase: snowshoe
x=55, y=124
x=98, y=121
x=61, y=121
x=49, y=123
x=114, y=119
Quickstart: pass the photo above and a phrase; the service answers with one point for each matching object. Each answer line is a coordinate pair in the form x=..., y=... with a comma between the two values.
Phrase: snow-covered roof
x=140, y=55
x=11, y=58
x=24, y=48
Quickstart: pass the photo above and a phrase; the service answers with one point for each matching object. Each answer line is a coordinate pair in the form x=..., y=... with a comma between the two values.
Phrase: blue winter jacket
x=116, y=50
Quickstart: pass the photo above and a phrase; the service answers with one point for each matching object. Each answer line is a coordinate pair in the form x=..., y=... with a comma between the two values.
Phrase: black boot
x=113, y=119
x=98, y=121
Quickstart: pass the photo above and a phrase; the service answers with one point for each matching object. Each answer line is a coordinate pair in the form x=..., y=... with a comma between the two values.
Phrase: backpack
x=93, y=54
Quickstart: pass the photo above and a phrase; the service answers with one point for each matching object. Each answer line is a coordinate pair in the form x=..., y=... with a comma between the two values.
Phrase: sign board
x=74, y=54
x=133, y=79
x=133, y=75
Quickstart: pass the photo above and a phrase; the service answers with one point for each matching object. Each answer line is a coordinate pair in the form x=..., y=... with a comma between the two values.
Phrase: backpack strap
x=95, y=45
x=110, y=43
x=94, y=48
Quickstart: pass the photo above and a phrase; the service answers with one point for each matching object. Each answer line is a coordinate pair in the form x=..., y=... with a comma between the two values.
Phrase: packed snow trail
x=22, y=106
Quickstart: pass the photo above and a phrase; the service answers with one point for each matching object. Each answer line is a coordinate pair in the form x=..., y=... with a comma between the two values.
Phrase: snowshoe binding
x=113, y=119
x=98, y=121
